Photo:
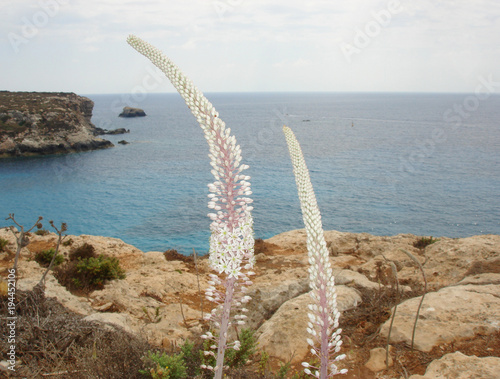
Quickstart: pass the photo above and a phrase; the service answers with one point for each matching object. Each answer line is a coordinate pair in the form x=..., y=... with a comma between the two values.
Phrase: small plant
x=237, y=358
x=423, y=242
x=97, y=270
x=44, y=258
x=86, y=271
x=3, y=244
x=68, y=242
x=164, y=366
x=417, y=262
x=42, y=232
x=22, y=239
x=192, y=358
x=56, y=259
x=263, y=362
x=156, y=318
x=81, y=252
x=283, y=371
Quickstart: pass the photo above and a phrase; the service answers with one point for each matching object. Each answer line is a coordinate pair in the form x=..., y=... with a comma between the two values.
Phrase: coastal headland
x=43, y=123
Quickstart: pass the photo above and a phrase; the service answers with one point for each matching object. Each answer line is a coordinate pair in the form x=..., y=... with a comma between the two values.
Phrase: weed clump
x=423, y=242
x=163, y=366
x=44, y=258
x=3, y=244
x=86, y=271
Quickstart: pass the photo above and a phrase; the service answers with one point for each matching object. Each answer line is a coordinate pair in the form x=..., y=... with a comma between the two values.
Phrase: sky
x=251, y=45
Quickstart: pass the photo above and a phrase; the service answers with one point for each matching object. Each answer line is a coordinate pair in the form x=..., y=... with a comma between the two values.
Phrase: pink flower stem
x=224, y=326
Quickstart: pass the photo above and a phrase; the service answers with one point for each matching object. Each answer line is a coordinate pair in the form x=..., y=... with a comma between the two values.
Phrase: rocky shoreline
x=43, y=123
x=457, y=331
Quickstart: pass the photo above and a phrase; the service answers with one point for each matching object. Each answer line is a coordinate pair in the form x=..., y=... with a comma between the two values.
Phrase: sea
x=380, y=163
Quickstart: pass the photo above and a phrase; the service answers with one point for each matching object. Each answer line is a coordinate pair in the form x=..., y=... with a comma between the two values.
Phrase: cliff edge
x=41, y=123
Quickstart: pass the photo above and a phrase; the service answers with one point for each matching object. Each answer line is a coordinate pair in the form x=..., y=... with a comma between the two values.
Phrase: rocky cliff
x=40, y=123
x=159, y=299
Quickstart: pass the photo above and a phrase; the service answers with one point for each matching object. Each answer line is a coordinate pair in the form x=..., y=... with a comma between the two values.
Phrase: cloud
x=216, y=40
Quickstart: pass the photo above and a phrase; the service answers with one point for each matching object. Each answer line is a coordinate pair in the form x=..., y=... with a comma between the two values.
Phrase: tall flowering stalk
x=231, y=241
x=323, y=325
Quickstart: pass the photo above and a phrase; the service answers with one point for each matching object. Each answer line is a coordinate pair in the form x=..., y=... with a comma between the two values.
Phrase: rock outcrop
x=159, y=298
x=101, y=132
x=460, y=366
x=455, y=312
x=132, y=112
x=41, y=123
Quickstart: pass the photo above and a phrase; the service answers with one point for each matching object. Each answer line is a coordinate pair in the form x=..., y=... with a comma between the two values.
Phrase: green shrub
x=81, y=252
x=192, y=358
x=164, y=366
x=42, y=232
x=44, y=258
x=423, y=242
x=233, y=358
x=3, y=244
x=96, y=270
x=68, y=242
x=86, y=271
x=237, y=358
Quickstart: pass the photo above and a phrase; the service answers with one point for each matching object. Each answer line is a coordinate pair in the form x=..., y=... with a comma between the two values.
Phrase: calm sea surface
x=427, y=164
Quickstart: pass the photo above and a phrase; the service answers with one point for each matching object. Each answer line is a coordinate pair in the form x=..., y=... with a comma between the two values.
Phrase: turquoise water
x=380, y=163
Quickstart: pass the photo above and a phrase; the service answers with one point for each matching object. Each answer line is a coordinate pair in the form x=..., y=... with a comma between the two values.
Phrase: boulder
x=112, y=320
x=132, y=112
x=284, y=335
x=450, y=314
x=460, y=366
x=377, y=361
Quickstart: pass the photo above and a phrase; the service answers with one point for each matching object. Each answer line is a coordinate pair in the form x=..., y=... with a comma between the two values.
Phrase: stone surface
x=377, y=361
x=120, y=320
x=460, y=366
x=40, y=123
x=450, y=314
x=159, y=297
x=284, y=335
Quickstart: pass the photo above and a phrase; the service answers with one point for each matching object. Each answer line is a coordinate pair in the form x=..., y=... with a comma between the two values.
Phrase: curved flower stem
x=323, y=315
x=226, y=311
x=231, y=242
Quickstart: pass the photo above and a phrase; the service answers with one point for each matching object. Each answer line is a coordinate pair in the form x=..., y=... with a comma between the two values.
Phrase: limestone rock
x=460, y=366
x=284, y=334
x=355, y=279
x=268, y=297
x=40, y=123
x=447, y=261
x=54, y=289
x=121, y=320
x=377, y=361
x=132, y=112
x=452, y=313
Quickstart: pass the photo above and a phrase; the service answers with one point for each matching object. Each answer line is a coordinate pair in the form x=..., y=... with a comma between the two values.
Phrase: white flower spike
x=323, y=314
x=231, y=241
